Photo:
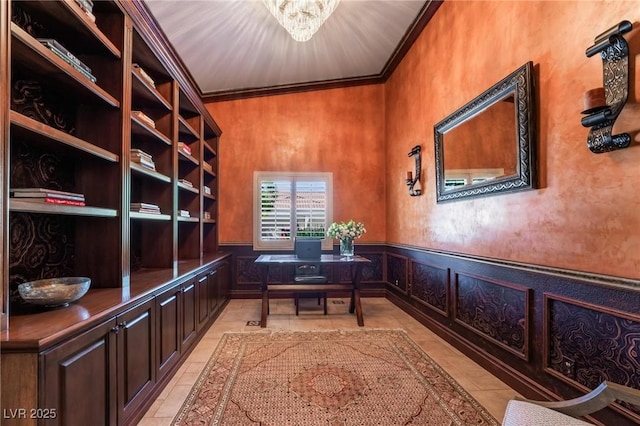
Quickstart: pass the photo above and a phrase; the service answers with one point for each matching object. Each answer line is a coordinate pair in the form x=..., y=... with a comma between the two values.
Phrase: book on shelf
x=52, y=44
x=148, y=164
x=140, y=153
x=206, y=189
x=145, y=208
x=86, y=5
x=184, y=213
x=207, y=167
x=139, y=156
x=82, y=71
x=144, y=117
x=206, y=215
x=186, y=182
x=148, y=211
x=45, y=193
x=184, y=148
x=141, y=72
x=51, y=200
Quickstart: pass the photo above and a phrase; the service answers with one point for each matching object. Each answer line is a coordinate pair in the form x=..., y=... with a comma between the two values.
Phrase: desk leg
x=355, y=297
x=265, y=296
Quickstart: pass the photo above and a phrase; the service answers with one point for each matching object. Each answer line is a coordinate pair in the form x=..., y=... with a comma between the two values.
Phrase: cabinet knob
x=123, y=324
x=115, y=329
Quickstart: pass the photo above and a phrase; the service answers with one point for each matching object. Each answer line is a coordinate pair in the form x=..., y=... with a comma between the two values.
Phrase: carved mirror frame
x=519, y=84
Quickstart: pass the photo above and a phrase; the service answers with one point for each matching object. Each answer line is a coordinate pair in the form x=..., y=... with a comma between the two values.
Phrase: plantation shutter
x=311, y=208
x=275, y=210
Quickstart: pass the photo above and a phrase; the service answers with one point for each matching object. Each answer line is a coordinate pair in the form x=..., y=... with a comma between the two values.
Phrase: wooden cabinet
x=202, y=283
x=168, y=314
x=189, y=314
x=96, y=103
x=110, y=369
x=136, y=346
x=83, y=368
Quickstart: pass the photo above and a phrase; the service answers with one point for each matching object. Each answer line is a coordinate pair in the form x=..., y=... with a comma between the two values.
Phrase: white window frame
x=261, y=176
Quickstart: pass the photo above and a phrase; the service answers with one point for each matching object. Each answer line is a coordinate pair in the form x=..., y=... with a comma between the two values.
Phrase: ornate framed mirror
x=488, y=146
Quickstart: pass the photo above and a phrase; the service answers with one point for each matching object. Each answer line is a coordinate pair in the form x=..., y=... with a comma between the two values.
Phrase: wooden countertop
x=43, y=328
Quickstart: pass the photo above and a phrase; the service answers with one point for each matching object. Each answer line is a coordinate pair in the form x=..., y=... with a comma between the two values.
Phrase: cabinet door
x=189, y=312
x=136, y=356
x=78, y=379
x=168, y=330
x=212, y=284
x=202, y=293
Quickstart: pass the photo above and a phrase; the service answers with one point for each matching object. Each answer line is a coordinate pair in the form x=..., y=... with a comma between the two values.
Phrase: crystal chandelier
x=301, y=18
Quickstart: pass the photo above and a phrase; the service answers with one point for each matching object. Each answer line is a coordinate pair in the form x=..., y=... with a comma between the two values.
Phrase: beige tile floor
x=492, y=393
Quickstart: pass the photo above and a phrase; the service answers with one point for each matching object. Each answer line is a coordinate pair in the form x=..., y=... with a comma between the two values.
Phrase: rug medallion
x=330, y=378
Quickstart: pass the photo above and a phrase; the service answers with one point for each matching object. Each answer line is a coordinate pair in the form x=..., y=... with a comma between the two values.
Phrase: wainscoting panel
x=586, y=344
x=397, y=272
x=247, y=272
x=373, y=272
x=495, y=310
x=429, y=285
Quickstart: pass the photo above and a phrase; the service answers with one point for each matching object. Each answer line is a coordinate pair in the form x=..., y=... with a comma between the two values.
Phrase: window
x=287, y=205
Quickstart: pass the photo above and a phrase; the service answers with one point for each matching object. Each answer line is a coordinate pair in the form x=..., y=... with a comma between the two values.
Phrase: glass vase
x=346, y=247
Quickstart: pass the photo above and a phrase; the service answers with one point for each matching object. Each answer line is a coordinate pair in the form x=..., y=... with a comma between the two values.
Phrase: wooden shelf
x=188, y=219
x=185, y=187
x=29, y=207
x=187, y=157
x=149, y=216
x=186, y=128
x=209, y=196
x=208, y=147
x=209, y=221
x=31, y=53
x=146, y=93
x=38, y=132
x=135, y=167
x=70, y=15
x=139, y=127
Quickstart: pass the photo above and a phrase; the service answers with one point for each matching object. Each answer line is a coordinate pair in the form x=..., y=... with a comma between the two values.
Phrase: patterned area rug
x=330, y=378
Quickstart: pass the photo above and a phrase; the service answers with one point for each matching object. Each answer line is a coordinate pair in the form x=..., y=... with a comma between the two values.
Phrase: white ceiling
x=234, y=45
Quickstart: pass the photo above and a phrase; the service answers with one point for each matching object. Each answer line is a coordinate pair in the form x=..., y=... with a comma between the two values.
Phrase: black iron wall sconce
x=615, y=62
x=411, y=181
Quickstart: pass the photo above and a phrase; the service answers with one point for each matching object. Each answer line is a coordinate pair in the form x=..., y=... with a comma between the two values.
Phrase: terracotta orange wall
x=586, y=214
x=339, y=131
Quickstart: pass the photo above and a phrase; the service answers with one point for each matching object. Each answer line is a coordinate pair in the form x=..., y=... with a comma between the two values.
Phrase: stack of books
x=184, y=213
x=184, y=148
x=186, y=182
x=206, y=189
x=144, y=117
x=207, y=167
x=87, y=8
x=68, y=57
x=146, y=77
x=49, y=196
x=145, y=208
x=142, y=158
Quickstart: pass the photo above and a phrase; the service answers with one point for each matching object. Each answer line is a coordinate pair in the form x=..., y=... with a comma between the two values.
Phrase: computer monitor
x=308, y=248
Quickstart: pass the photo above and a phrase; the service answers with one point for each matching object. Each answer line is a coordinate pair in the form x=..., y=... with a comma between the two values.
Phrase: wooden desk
x=355, y=264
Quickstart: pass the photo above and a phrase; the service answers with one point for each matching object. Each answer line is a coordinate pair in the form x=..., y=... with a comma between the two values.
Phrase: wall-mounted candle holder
x=615, y=62
x=411, y=181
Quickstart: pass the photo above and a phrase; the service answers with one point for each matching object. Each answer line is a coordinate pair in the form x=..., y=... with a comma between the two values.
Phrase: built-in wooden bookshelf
x=116, y=120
